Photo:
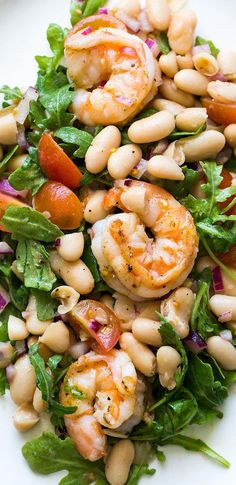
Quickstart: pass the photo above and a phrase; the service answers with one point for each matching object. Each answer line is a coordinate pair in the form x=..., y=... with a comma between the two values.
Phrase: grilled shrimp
x=103, y=387
x=134, y=263
x=114, y=72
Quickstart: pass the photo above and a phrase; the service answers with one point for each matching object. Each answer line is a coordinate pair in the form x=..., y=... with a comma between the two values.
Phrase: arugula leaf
x=54, y=361
x=18, y=293
x=102, y=177
x=29, y=175
x=137, y=471
x=46, y=305
x=197, y=445
x=181, y=189
x=5, y=160
x=206, y=415
x=32, y=261
x=31, y=224
x=202, y=320
x=89, y=259
x=56, y=103
x=3, y=382
x=9, y=310
x=176, y=135
x=11, y=93
x=221, y=238
x=72, y=135
x=163, y=43
x=89, y=7
x=75, y=12
x=200, y=41
x=49, y=454
x=231, y=165
x=55, y=37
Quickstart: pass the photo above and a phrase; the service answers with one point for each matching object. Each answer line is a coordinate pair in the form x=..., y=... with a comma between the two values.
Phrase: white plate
x=22, y=35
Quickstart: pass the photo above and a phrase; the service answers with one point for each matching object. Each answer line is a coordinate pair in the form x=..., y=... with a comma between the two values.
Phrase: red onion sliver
x=129, y=51
x=57, y=243
x=103, y=11
x=8, y=189
x=95, y=325
x=197, y=49
x=218, y=77
x=224, y=156
x=10, y=373
x=5, y=248
x=131, y=23
x=124, y=100
x=4, y=298
x=226, y=335
x=87, y=31
x=140, y=169
x=195, y=343
x=20, y=347
x=150, y=43
x=24, y=105
x=218, y=284
x=21, y=138
x=225, y=316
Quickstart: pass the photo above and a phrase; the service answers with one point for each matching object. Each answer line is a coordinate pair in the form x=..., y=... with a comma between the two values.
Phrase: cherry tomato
x=56, y=164
x=221, y=113
x=98, y=320
x=5, y=202
x=66, y=210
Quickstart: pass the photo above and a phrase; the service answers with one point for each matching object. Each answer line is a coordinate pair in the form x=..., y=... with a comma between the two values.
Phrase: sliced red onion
x=160, y=148
x=57, y=243
x=197, y=49
x=78, y=349
x=130, y=22
x=124, y=100
x=59, y=316
x=140, y=169
x=127, y=182
x=226, y=335
x=103, y=11
x=10, y=373
x=24, y=105
x=102, y=84
x=218, y=284
x=153, y=46
x=94, y=325
x=195, y=343
x=224, y=156
x=218, y=77
x=145, y=25
x=4, y=298
x=21, y=138
x=87, y=31
x=225, y=316
x=8, y=189
x=20, y=347
x=5, y=248
x=129, y=51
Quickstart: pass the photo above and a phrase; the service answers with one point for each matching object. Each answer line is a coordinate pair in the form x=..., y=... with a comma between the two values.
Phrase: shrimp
x=114, y=72
x=103, y=387
x=130, y=261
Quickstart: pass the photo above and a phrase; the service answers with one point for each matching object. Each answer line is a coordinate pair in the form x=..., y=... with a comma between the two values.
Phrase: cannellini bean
x=134, y=199
x=232, y=327
x=191, y=81
x=181, y=31
x=131, y=8
x=201, y=147
x=223, y=303
x=153, y=128
x=169, y=90
x=158, y=13
x=142, y=357
x=71, y=246
x=190, y=119
x=38, y=403
x=67, y=296
x=163, y=167
x=223, y=351
x=107, y=300
x=222, y=92
x=75, y=274
x=94, y=209
x=119, y=461
x=56, y=337
x=168, y=362
x=168, y=64
x=124, y=308
x=33, y=324
x=99, y=151
x=206, y=64
x=31, y=340
x=6, y=354
x=205, y=262
x=147, y=331
x=1, y=153
x=167, y=105
x=149, y=309
x=17, y=328
x=230, y=134
x=123, y=160
x=16, y=162
x=45, y=352
x=23, y=385
x=25, y=417
x=228, y=283
x=227, y=62
x=175, y=152
x=8, y=127
x=185, y=62
x=177, y=309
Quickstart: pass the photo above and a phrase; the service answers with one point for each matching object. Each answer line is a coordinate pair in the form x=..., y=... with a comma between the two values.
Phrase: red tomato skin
x=223, y=114
x=5, y=202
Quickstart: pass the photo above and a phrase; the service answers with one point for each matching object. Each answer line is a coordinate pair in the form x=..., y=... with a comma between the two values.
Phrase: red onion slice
x=153, y=46
x=21, y=138
x=225, y=316
x=140, y=169
x=6, y=188
x=87, y=31
x=20, y=347
x=5, y=248
x=131, y=23
x=218, y=77
x=218, y=284
x=4, y=298
x=103, y=11
x=24, y=105
x=197, y=49
x=94, y=325
x=195, y=343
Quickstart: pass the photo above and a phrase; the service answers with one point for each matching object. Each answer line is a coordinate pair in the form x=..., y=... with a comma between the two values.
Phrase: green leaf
x=3, y=382
x=89, y=259
x=31, y=224
x=176, y=135
x=11, y=93
x=29, y=176
x=89, y=7
x=199, y=446
x=45, y=304
x=5, y=160
x=56, y=103
x=18, y=293
x=200, y=41
x=9, y=310
x=44, y=380
x=211, y=188
x=163, y=43
x=137, y=472
x=54, y=361
x=49, y=454
x=206, y=415
x=231, y=165
x=32, y=260
x=221, y=239
x=202, y=320
x=102, y=177
x=181, y=189
x=55, y=37
x=75, y=12
x=77, y=137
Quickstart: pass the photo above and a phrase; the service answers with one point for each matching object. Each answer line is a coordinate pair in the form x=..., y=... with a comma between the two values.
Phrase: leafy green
x=102, y=177
x=206, y=415
x=31, y=224
x=9, y=310
x=202, y=320
x=75, y=12
x=32, y=260
x=197, y=445
x=18, y=292
x=89, y=7
x=181, y=189
x=176, y=135
x=137, y=471
x=200, y=41
x=11, y=93
x=55, y=37
x=3, y=382
x=54, y=361
x=5, y=160
x=56, y=103
x=77, y=137
x=231, y=165
x=89, y=258
x=163, y=43
x=46, y=305
x=49, y=454
x=29, y=175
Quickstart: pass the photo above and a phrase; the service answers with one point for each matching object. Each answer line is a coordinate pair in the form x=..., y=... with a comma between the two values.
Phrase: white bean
x=142, y=357
x=169, y=90
x=168, y=362
x=119, y=461
x=123, y=160
x=131, y=8
x=124, y=308
x=227, y=62
x=205, y=262
x=230, y=134
x=206, y=64
x=223, y=303
x=190, y=119
x=67, y=296
x=168, y=64
x=38, y=403
x=222, y=92
x=17, y=328
x=149, y=309
x=147, y=331
x=191, y=81
x=94, y=209
x=181, y=31
x=201, y=147
x=6, y=354
x=158, y=13
x=8, y=127
x=56, y=337
x=33, y=324
x=107, y=300
x=102, y=145
x=167, y=105
x=153, y=128
x=223, y=351
x=175, y=152
x=185, y=62
x=75, y=274
x=163, y=167
x=25, y=417
x=177, y=309
x=16, y=162
x=23, y=385
x=71, y=246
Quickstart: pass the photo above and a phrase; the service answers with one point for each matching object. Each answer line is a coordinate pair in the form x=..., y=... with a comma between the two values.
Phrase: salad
x=118, y=241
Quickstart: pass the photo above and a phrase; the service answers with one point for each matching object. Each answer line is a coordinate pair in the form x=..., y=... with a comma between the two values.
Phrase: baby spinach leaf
x=176, y=135
x=214, y=50
x=197, y=445
x=77, y=137
x=163, y=43
x=11, y=93
x=31, y=224
x=3, y=382
x=137, y=472
x=5, y=160
x=32, y=261
x=46, y=305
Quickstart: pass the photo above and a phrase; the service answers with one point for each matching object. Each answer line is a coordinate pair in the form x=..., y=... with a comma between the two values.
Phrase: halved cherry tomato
x=56, y=164
x=97, y=320
x=66, y=210
x=5, y=201
x=221, y=113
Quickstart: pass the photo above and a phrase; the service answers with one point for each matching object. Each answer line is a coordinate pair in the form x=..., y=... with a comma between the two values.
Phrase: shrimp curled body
x=114, y=72
x=130, y=261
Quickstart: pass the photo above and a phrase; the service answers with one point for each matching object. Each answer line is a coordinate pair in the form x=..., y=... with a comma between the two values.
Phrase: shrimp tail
x=87, y=435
